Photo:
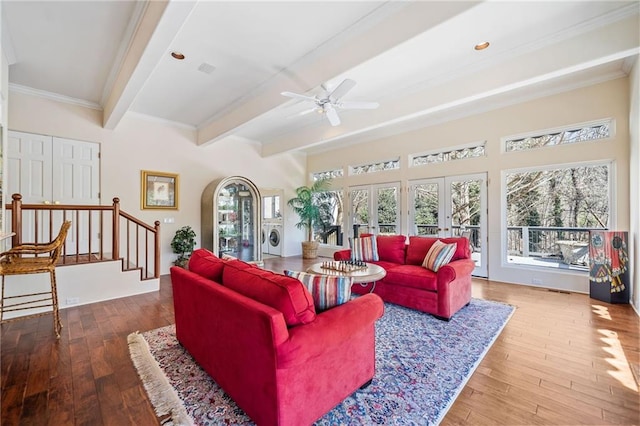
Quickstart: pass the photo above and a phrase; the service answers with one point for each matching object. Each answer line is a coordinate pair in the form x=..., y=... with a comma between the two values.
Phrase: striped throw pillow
x=439, y=255
x=327, y=291
x=364, y=249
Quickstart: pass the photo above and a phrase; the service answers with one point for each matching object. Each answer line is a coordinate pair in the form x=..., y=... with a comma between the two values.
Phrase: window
x=329, y=230
x=578, y=133
x=549, y=213
x=475, y=150
x=375, y=167
x=329, y=174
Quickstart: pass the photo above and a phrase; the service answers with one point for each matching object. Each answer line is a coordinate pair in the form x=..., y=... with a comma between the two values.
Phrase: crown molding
x=53, y=96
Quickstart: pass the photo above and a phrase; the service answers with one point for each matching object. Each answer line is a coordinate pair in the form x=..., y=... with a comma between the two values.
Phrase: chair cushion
x=327, y=290
x=391, y=248
x=206, y=264
x=412, y=276
x=438, y=255
x=283, y=293
x=364, y=249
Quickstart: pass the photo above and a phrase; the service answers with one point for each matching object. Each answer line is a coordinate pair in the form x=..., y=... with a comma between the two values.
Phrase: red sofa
x=407, y=283
x=257, y=334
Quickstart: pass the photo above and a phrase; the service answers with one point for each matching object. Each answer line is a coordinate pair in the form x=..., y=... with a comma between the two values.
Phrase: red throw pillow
x=418, y=248
x=391, y=248
x=206, y=264
x=463, y=251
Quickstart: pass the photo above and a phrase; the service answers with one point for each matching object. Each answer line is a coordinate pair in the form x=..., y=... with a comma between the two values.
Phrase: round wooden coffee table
x=370, y=274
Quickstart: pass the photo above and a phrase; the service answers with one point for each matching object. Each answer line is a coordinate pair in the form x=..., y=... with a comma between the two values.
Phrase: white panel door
x=29, y=167
x=51, y=170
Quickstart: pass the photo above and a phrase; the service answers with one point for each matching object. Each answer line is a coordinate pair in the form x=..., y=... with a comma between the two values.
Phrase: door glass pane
x=236, y=213
x=388, y=211
x=328, y=230
x=267, y=208
x=360, y=211
x=426, y=209
x=465, y=211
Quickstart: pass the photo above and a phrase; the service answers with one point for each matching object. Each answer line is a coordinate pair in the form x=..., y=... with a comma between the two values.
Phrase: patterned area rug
x=422, y=364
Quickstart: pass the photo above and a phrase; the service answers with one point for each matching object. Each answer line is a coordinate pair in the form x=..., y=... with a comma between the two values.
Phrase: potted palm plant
x=309, y=205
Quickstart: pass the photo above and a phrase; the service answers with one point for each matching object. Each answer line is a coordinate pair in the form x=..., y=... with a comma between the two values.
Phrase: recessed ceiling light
x=177, y=55
x=481, y=46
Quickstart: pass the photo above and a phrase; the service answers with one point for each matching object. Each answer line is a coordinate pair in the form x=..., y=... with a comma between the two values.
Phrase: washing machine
x=274, y=239
x=264, y=238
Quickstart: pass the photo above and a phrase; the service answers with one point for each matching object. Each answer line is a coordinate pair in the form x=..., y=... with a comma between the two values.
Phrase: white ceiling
x=415, y=58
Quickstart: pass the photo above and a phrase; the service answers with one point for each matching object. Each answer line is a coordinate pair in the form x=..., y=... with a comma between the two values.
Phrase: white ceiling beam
x=407, y=21
x=158, y=26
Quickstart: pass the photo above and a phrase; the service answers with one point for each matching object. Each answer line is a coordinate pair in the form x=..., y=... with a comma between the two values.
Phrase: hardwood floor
x=561, y=359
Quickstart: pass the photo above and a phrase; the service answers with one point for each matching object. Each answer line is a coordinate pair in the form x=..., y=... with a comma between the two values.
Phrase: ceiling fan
x=330, y=101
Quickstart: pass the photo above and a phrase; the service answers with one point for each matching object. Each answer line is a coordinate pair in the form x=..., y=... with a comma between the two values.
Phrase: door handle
x=56, y=202
x=46, y=202
x=446, y=229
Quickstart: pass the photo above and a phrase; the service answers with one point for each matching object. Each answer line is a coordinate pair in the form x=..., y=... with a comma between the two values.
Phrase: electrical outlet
x=73, y=300
x=536, y=281
x=169, y=220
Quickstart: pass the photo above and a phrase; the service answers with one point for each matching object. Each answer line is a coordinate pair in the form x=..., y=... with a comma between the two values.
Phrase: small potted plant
x=308, y=205
x=183, y=244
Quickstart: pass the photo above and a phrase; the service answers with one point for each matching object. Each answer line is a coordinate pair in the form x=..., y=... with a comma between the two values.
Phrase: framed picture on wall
x=158, y=190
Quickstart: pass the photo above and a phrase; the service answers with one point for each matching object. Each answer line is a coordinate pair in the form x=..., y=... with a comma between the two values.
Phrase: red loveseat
x=257, y=334
x=409, y=284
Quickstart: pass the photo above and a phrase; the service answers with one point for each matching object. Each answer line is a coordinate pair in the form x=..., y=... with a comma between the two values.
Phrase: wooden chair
x=29, y=259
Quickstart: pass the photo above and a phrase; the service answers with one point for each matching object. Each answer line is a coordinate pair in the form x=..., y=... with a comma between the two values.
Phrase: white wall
x=609, y=99
x=139, y=144
x=634, y=198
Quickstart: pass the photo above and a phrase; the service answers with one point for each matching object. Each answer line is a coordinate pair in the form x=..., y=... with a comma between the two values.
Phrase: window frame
x=610, y=163
x=537, y=133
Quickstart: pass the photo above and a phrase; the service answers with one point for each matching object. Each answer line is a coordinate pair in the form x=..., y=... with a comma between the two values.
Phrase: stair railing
x=93, y=237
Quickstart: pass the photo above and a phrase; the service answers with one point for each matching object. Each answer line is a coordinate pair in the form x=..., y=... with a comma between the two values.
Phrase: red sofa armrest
x=342, y=255
x=454, y=270
x=331, y=329
x=454, y=286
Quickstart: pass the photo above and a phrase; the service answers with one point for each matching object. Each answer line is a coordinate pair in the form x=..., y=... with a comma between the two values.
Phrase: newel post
x=156, y=262
x=16, y=219
x=115, y=240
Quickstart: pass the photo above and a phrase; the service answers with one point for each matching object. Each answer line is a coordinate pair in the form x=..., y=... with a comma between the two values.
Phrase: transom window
x=375, y=167
x=329, y=174
x=473, y=151
x=580, y=133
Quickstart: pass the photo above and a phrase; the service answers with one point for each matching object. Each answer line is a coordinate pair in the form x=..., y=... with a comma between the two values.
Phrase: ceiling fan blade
x=332, y=115
x=358, y=105
x=299, y=96
x=342, y=89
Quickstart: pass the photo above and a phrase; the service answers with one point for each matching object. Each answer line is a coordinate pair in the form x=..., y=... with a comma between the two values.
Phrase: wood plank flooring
x=562, y=359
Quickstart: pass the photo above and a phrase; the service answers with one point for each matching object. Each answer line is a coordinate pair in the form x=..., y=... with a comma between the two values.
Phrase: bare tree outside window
x=553, y=208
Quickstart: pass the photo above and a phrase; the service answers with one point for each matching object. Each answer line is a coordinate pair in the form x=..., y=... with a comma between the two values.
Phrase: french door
x=449, y=207
x=374, y=209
